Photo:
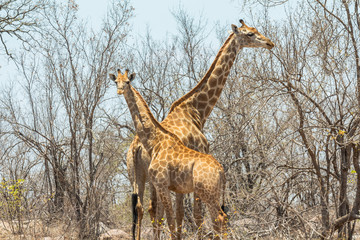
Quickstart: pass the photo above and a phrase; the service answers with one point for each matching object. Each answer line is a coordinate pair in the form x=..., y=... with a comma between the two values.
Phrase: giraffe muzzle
x=270, y=45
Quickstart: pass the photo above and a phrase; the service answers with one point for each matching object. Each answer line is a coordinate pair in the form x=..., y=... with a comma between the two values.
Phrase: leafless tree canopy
x=17, y=17
x=286, y=128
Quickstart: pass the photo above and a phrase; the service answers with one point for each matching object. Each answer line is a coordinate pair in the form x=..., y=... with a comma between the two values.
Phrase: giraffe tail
x=134, y=199
x=224, y=208
x=135, y=194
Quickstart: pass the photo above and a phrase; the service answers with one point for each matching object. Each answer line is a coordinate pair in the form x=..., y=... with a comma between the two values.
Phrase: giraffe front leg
x=198, y=215
x=179, y=213
x=157, y=210
x=152, y=204
x=165, y=197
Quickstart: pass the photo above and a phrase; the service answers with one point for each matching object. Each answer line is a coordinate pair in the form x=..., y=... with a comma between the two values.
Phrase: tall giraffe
x=174, y=166
x=187, y=117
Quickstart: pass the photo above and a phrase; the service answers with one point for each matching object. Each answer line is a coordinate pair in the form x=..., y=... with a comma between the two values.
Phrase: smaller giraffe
x=174, y=167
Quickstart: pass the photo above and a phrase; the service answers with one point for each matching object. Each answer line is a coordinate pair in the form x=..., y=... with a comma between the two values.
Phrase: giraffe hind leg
x=179, y=213
x=138, y=211
x=198, y=215
x=218, y=217
x=152, y=204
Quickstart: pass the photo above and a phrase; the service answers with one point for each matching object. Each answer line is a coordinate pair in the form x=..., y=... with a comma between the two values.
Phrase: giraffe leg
x=152, y=203
x=211, y=196
x=160, y=216
x=165, y=197
x=156, y=211
x=139, y=207
x=198, y=215
x=179, y=213
x=138, y=176
x=218, y=218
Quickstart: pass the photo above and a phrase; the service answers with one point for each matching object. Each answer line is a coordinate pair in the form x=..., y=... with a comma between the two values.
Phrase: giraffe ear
x=234, y=28
x=132, y=76
x=112, y=77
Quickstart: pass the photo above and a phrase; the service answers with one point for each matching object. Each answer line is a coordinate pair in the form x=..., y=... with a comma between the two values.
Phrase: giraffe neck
x=205, y=100
x=205, y=94
x=147, y=127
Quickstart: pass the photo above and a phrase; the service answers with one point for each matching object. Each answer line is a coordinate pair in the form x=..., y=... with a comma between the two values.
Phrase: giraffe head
x=122, y=80
x=250, y=37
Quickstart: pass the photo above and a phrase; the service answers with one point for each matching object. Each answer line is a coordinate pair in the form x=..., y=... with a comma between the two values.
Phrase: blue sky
x=156, y=16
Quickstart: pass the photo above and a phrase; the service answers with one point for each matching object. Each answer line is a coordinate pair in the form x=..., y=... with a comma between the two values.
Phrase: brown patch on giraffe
x=207, y=111
x=234, y=48
x=205, y=88
x=201, y=105
x=183, y=176
x=213, y=82
x=163, y=163
x=211, y=93
x=164, y=144
x=202, y=97
x=213, y=100
x=183, y=131
x=218, y=71
x=218, y=91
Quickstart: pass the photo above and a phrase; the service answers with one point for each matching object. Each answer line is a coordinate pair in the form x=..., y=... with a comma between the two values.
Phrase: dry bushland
x=286, y=127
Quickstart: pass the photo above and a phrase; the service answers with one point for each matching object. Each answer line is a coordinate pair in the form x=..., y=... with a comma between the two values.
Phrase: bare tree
x=17, y=17
x=285, y=129
x=64, y=88
x=319, y=71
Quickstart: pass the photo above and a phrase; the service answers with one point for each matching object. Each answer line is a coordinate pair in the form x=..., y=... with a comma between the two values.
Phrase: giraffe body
x=184, y=170
x=188, y=114
x=174, y=167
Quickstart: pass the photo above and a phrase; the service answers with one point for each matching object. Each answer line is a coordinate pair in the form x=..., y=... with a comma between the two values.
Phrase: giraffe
x=187, y=117
x=174, y=166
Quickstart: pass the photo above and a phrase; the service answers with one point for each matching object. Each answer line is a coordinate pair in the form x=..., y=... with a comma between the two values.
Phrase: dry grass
x=37, y=229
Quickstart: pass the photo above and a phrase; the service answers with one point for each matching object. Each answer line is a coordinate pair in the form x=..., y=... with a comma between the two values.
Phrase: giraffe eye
x=250, y=34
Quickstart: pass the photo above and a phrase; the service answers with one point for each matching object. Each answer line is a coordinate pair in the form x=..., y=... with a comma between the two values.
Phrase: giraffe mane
x=207, y=75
